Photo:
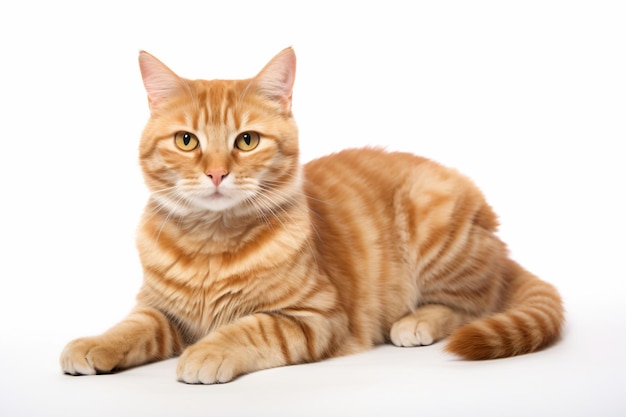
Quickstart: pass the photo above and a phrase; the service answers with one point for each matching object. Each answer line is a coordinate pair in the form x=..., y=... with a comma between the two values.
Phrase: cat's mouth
x=216, y=196
x=216, y=200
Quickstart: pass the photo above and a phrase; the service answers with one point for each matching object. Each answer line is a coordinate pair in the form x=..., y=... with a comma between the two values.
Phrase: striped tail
x=531, y=320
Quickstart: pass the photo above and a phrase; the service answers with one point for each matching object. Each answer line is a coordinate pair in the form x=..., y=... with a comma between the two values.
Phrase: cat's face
x=220, y=145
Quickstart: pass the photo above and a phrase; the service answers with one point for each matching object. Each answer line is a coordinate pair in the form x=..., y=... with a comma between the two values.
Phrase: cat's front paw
x=89, y=356
x=204, y=363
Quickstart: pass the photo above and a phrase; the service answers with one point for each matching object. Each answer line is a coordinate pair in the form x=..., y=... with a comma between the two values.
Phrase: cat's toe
x=74, y=360
x=201, y=366
x=77, y=366
x=89, y=356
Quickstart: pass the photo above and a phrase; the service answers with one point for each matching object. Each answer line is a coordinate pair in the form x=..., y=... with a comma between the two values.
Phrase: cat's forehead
x=223, y=104
x=213, y=103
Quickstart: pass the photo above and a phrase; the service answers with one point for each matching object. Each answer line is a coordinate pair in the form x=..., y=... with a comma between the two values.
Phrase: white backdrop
x=527, y=98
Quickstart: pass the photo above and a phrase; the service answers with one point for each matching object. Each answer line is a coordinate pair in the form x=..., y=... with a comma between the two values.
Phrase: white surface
x=528, y=98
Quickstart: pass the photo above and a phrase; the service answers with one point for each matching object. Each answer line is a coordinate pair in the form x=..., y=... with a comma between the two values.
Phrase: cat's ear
x=275, y=81
x=160, y=81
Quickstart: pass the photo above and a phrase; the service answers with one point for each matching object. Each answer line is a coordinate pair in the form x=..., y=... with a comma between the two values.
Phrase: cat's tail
x=532, y=319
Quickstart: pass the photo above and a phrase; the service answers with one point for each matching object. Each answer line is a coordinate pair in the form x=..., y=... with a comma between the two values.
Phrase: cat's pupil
x=186, y=139
x=247, y=138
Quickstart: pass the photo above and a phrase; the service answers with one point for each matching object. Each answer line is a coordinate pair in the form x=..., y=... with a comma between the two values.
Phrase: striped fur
x=253, y=261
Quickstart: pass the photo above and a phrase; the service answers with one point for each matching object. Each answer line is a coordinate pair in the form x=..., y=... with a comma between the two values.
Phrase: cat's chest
x=202, y=292
x=196, y=274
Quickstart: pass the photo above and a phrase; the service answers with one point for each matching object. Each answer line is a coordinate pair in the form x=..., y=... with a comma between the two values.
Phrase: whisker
x=180, y=198
x=266, y=204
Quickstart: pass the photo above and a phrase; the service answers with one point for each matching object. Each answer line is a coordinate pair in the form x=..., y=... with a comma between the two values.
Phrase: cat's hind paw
x=409, y=331
x=425, y=325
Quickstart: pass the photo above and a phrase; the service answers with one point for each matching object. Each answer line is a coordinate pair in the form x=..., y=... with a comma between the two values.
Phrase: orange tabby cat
x=253, y=261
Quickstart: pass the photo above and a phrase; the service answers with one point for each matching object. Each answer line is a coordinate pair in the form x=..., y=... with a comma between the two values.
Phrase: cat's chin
x=216, y=202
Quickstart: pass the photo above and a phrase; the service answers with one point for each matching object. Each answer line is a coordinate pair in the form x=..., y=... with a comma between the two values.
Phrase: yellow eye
x=247, y=141
x=186, y=141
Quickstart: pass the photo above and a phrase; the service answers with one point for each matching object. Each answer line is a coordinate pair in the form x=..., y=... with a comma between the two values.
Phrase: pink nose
x=217, y=175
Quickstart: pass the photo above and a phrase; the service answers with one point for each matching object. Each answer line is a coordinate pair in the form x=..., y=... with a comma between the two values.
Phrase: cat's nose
x=217, y=175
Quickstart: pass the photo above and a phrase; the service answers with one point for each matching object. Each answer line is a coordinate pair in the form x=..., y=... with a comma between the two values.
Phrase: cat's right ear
x=160, y=81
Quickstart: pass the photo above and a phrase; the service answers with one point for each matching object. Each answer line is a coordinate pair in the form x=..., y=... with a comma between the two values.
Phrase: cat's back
x=375, y=176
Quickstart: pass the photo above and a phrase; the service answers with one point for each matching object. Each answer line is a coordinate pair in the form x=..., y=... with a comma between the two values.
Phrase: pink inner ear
x=160, y=81
x=277, y=78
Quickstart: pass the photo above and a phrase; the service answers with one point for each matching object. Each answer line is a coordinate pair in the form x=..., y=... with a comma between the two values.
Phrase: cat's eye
x=247, y=141
x=186, y=141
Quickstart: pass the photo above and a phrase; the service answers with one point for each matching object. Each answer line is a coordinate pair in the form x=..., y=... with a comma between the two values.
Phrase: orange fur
x=273, y=263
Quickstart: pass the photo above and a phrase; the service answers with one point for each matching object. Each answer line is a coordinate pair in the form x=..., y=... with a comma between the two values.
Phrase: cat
x=252, y=260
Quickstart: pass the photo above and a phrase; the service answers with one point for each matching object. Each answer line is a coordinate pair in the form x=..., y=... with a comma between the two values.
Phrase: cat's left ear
x=161, y=82
x=275, y=81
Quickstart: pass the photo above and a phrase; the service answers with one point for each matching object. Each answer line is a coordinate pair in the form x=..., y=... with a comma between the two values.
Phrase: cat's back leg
x=447, y=241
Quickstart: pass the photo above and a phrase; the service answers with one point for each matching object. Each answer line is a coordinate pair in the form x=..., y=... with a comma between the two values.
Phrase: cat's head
x=220, y=145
